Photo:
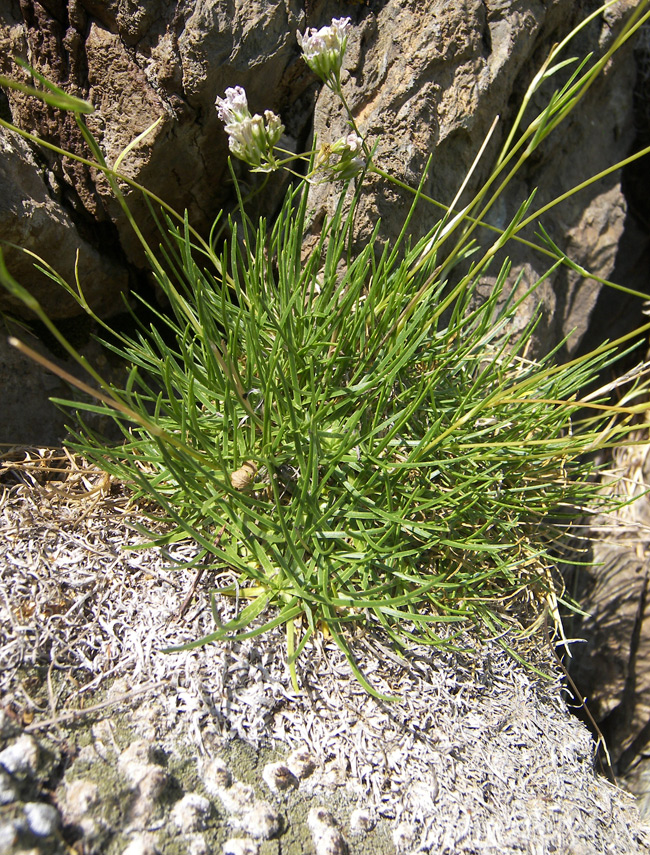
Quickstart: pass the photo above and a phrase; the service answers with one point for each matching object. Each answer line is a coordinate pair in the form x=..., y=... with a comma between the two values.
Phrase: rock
x=362, y=821
x=33, y=219
x=237, y=799
x=328, y=840
x=141, y=844
x=216, y=776
x=28, y=417
x=42, y=819
x=261, y=821
x=22, y=757
x=9, y=836
x=8, y=790
x=611, y=667
x=240, y=846
x=421, y=80
x=279, y=777
x=190, y=812
x=137, y=67
x=301, y=763
x=147, y=779
x=429, y=79
x=404, y=835
x=80, y=796
x=8, y=727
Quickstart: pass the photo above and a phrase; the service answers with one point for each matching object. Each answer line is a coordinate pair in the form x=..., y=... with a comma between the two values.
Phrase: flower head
x=348, y=163
x=346, y=146
x=234, y=107
x=324, y=49
x=250, y=138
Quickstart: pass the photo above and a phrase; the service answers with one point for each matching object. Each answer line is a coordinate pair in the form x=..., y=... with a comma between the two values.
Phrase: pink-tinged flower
x=234, y=107
x=324, y=49
x=250, y=138
x=346, y=146
x=347, y=164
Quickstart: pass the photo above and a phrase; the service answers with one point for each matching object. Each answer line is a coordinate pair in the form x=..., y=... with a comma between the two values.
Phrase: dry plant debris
x=479, y=755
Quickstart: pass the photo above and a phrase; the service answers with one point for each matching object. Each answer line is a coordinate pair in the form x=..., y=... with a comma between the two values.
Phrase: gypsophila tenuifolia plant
x=349, y=433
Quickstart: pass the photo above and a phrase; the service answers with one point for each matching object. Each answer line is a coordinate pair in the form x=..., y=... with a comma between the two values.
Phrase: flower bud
x=348, y=164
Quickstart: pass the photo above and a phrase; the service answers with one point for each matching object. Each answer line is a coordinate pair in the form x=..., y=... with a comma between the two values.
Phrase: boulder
x=159, y=62
x=611, y=661
x=34, y=221
x=421, y=80
x=428, y=80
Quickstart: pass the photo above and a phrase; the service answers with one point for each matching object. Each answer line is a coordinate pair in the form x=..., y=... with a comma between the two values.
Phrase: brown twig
x=73, y=715
x=197, y=579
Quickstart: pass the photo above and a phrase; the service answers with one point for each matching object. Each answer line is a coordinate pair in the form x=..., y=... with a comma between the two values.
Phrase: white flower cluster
x=251, y=138
x=324, y=49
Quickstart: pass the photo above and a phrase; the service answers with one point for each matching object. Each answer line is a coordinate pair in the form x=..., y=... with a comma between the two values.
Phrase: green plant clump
x=352, y=434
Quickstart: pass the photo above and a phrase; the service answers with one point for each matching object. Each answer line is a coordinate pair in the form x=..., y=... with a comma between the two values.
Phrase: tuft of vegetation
x=351, y=434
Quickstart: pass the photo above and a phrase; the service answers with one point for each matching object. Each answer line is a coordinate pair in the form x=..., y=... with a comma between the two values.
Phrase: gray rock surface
x=140, y=63
x=421, y=79
x=612, y=664
x=428, y=79
x=33, y=219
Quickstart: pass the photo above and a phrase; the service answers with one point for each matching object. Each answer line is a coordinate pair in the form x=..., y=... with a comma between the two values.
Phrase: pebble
x=301, y=763
x=190, y=812
x=142, y=844
x=279, y=777
x=148, y=779
x=404, y=836
x=42, y=819
x=238, y=798
x=153, y=783
x=261, y=821
x=334, y=775
x=319, y=818
x=362, y=821
x=216, y=776
x=197, y=845
x=21, y=758
x=8, y=791
x=9, y=834
x=80, y=796
x=135, y=761
x=240, y=846
x=330, y=842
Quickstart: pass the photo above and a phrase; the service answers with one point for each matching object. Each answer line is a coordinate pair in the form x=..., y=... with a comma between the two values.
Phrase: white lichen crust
x=327, y=838
x=279, y=777
x=240, y=846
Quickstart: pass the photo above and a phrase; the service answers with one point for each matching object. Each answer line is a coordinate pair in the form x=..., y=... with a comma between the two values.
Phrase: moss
x=116, y=797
